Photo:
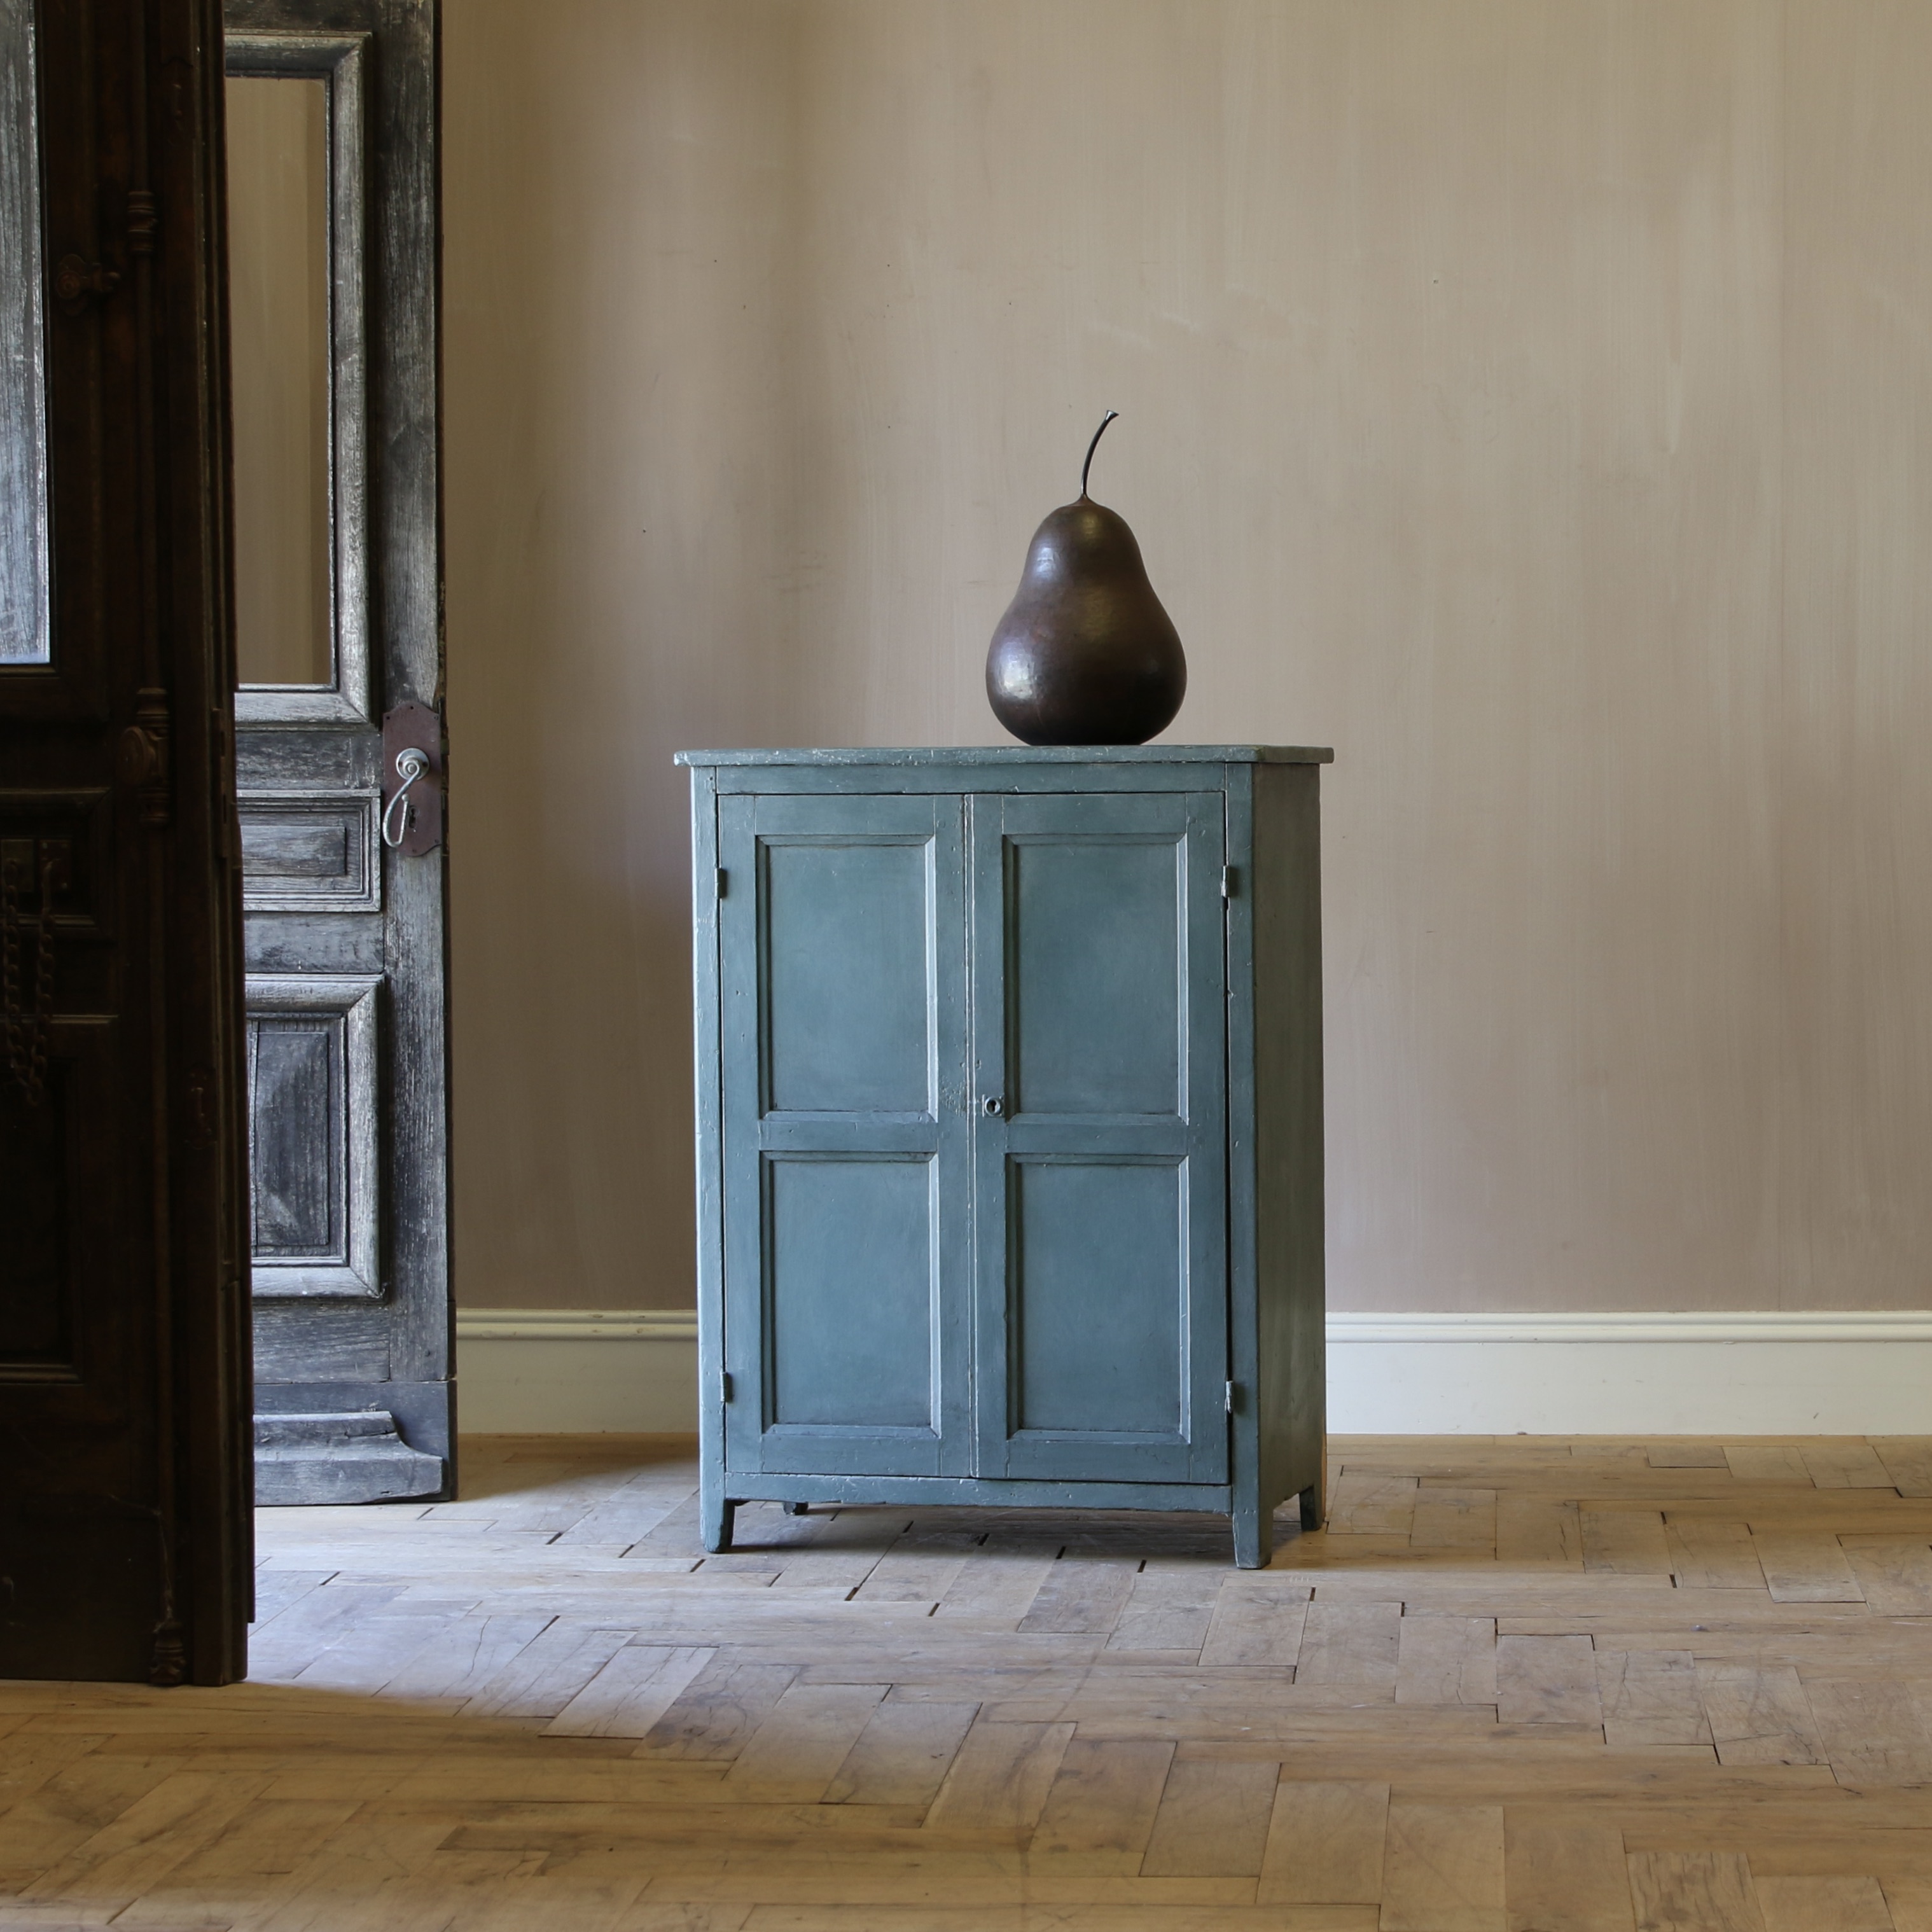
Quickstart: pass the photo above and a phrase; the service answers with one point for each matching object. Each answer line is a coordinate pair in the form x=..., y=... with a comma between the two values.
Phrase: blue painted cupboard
x=1009, y=1128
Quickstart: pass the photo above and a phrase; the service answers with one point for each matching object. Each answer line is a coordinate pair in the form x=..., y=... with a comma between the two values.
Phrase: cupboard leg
x=715, y=1513
x=1311, y=1507
x=1254, y=1538
x=797, y=1509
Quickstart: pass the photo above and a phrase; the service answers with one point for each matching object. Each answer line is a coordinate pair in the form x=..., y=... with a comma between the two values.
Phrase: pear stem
x=1091, y=447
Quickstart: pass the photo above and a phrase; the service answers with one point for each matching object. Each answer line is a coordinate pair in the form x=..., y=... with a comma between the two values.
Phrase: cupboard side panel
x=707, y=1079
x=1290, y=1265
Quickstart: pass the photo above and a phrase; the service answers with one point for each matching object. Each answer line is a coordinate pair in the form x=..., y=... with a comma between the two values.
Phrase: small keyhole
x=994, y=1105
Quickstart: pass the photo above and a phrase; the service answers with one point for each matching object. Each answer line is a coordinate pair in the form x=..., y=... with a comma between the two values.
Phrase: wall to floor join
x=540, y=1371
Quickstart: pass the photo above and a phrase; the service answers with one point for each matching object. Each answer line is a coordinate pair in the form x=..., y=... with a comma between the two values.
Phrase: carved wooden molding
x=310, y=850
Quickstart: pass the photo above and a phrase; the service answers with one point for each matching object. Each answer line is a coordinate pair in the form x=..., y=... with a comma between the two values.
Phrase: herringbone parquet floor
x=1524, y=1685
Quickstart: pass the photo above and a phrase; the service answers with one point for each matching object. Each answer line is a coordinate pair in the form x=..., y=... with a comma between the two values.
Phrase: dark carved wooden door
x=332, y=228
x=125, y=1539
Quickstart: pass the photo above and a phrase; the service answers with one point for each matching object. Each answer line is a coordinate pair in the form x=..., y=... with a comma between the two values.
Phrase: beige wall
x=1531, y=398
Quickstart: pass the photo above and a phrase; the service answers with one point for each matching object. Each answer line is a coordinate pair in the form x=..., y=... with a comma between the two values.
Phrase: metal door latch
x=412, y=777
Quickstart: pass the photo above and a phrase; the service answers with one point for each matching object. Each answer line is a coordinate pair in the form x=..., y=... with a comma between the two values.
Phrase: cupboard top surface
x=931, y=755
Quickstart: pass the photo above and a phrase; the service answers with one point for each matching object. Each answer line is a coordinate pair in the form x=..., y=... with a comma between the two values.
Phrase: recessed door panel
x=841, y=933
x=295, y=1109
x=311, y=852
x=848, y=1001
x=1099, y=1062
x=34, y=1321
x=60, y=1281
x=312, y=1135
x=1095, y=956
x=1099, y=1333
x=849, y=1255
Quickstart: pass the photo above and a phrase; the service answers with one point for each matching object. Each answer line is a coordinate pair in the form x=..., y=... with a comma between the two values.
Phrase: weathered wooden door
x=1100, y=1063
x=332, y=234
x=125, y=1531
x=842, y=931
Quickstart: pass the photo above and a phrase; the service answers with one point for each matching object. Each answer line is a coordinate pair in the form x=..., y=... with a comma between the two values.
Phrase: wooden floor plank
x=1536, y=1529
x=1367, y=1502
x=1908, y=1461
x=1894, y=1574
x=1832, y=1904
x=1212, y=1821
x=1446, y=1660
x=109, y=1869
x=1845, y=1463
x=1759, y=1715
x=796, y=1752
x=1627, y=1543
x=1804, y=1567
x=1081, y=1593
x=1651, y=1697
x=998, y=1585
x=1453, y=1516
x=902, y=1755
x=1694, y=1891
x=1357, y=1644
x=1908, y=1899
x=1000, y=1777
x=1169, y=1607
x=1104, y=1798
x=710, y=1720
x=1712, y=1555
x=1257, y=1623
x=1564, y=1872
x=910, y=1576
x=1325, y=1844
x=1443, y=1870
x=1547, y=1680
x=1751, y=1463
x=1870, y=1730
x=633, y=1691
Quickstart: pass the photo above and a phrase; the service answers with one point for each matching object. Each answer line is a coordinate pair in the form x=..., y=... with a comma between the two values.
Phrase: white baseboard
x=1858, y=1373
x=540, y=1371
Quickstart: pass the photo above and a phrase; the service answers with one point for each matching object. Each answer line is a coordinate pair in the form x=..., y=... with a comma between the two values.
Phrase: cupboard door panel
x=841, y=936
x=1099, y=1053
x=1097, y=1267
x=848, y=1001
x=849, y=1247
x=1094, y=996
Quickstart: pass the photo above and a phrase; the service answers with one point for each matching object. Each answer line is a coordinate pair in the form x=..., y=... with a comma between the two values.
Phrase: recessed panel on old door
x=1099, y=1053
x=844, y=1051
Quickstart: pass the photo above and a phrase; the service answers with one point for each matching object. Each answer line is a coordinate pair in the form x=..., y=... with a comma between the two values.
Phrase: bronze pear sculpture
x=1085, y=655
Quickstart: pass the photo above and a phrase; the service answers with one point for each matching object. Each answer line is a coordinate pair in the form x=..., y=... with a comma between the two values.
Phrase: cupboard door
x=1100, y=1121
x=841, y=932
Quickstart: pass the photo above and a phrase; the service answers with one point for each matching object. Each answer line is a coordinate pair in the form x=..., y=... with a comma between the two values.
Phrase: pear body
x=1085, y=655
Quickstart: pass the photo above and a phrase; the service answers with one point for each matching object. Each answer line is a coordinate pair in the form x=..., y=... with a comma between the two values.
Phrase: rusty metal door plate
x=411, y=779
